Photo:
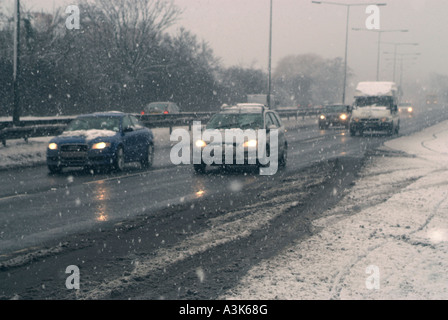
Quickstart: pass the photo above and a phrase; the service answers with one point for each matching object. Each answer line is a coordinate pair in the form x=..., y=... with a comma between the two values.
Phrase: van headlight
x=385, y=119
x=322, y=117
x=343, y=117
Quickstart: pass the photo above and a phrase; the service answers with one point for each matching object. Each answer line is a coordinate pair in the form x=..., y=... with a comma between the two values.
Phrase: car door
x=269, y=124
x=281, y=131
x=130, y=139
x=143, y=137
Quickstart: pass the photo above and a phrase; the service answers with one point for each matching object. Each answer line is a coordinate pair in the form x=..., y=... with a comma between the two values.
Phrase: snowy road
x=38, y=207
x=386, y=239
x=167, y=228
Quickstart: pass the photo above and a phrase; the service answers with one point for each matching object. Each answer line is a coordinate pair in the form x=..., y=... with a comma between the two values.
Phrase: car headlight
x=343, y=116
x=200, y=143
x=410, y=109
x=101, y=145
x=53, y=146
x=250, y=144
x=356, y=119
x=322, y=117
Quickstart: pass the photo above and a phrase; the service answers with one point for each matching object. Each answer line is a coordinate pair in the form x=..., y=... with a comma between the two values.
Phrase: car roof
x=335, y=105
x=104, y=114
x=159, y=103
x=244, y=108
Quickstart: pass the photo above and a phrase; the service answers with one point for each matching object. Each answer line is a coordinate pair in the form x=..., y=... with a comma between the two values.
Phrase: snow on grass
x=391, y=230
x=18, y=153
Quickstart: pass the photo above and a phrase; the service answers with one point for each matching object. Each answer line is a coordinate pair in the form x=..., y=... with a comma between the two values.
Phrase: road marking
x=126, y=176
x=12, y=197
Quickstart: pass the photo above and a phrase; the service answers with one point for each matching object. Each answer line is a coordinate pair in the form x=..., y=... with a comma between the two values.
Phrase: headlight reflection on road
x=101, y=196
x=199, y=188
x=200, y=193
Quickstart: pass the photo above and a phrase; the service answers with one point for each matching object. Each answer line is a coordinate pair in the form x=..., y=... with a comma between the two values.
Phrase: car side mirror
x=270, y=127
x=128, y=129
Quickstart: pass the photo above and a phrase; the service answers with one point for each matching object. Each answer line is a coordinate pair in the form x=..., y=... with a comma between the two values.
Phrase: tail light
x=142, y=113
x=165, y=112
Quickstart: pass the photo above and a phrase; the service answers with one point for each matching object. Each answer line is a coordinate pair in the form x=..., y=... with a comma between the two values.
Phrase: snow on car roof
x=384, y=88
x=244, y=107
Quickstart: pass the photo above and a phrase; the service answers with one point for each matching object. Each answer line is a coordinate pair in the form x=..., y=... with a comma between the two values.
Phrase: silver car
x=246, y=116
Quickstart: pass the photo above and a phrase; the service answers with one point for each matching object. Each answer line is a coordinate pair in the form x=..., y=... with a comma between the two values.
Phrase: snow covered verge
x=387, y=238
x=18, y=153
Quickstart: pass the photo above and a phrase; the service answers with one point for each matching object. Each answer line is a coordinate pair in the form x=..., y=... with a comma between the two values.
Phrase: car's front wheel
x=148, y=158
x=284, y=157
x=54, y=169
x=118, y=162
x=200, y=168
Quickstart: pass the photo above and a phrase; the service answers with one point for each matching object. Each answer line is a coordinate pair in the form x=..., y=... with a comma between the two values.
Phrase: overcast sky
x=238, y=32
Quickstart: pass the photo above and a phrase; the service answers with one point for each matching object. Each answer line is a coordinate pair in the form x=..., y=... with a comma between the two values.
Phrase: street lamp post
x=270, y=59
x=380, y=32
x=347, y=5
x=16, y=66
x=402, y=56
x=396, y=45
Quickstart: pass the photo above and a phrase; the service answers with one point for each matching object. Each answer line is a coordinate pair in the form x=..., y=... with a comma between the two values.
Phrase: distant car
x=108, y=139
x=432, y=99
x=335, y=115
x=246, y=116
x=161, y=108
x=406, y=108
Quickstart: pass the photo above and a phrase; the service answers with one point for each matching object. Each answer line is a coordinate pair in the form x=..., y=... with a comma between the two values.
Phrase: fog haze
x=238, y=32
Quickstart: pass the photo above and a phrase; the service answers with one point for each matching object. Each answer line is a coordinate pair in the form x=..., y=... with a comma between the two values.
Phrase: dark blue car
x=108, y=139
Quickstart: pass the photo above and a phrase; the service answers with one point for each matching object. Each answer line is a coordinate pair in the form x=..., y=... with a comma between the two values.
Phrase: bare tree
x=129, y=29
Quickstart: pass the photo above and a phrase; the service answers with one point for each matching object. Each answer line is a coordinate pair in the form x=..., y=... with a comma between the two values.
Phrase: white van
x=375, y=108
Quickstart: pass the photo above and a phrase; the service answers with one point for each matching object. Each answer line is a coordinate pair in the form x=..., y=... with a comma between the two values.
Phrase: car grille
x=74, y=148
x=370, y=120
x=74, y=151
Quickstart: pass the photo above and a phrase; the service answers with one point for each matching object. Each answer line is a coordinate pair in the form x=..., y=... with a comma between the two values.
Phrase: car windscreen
x=335, y=109
x=94, y=123
x=156, y=107
x=236, y=120
x=378, y=101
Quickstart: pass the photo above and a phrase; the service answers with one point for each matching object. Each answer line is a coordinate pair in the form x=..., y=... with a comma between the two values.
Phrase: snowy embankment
x=387, y=238
x=19, y=153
